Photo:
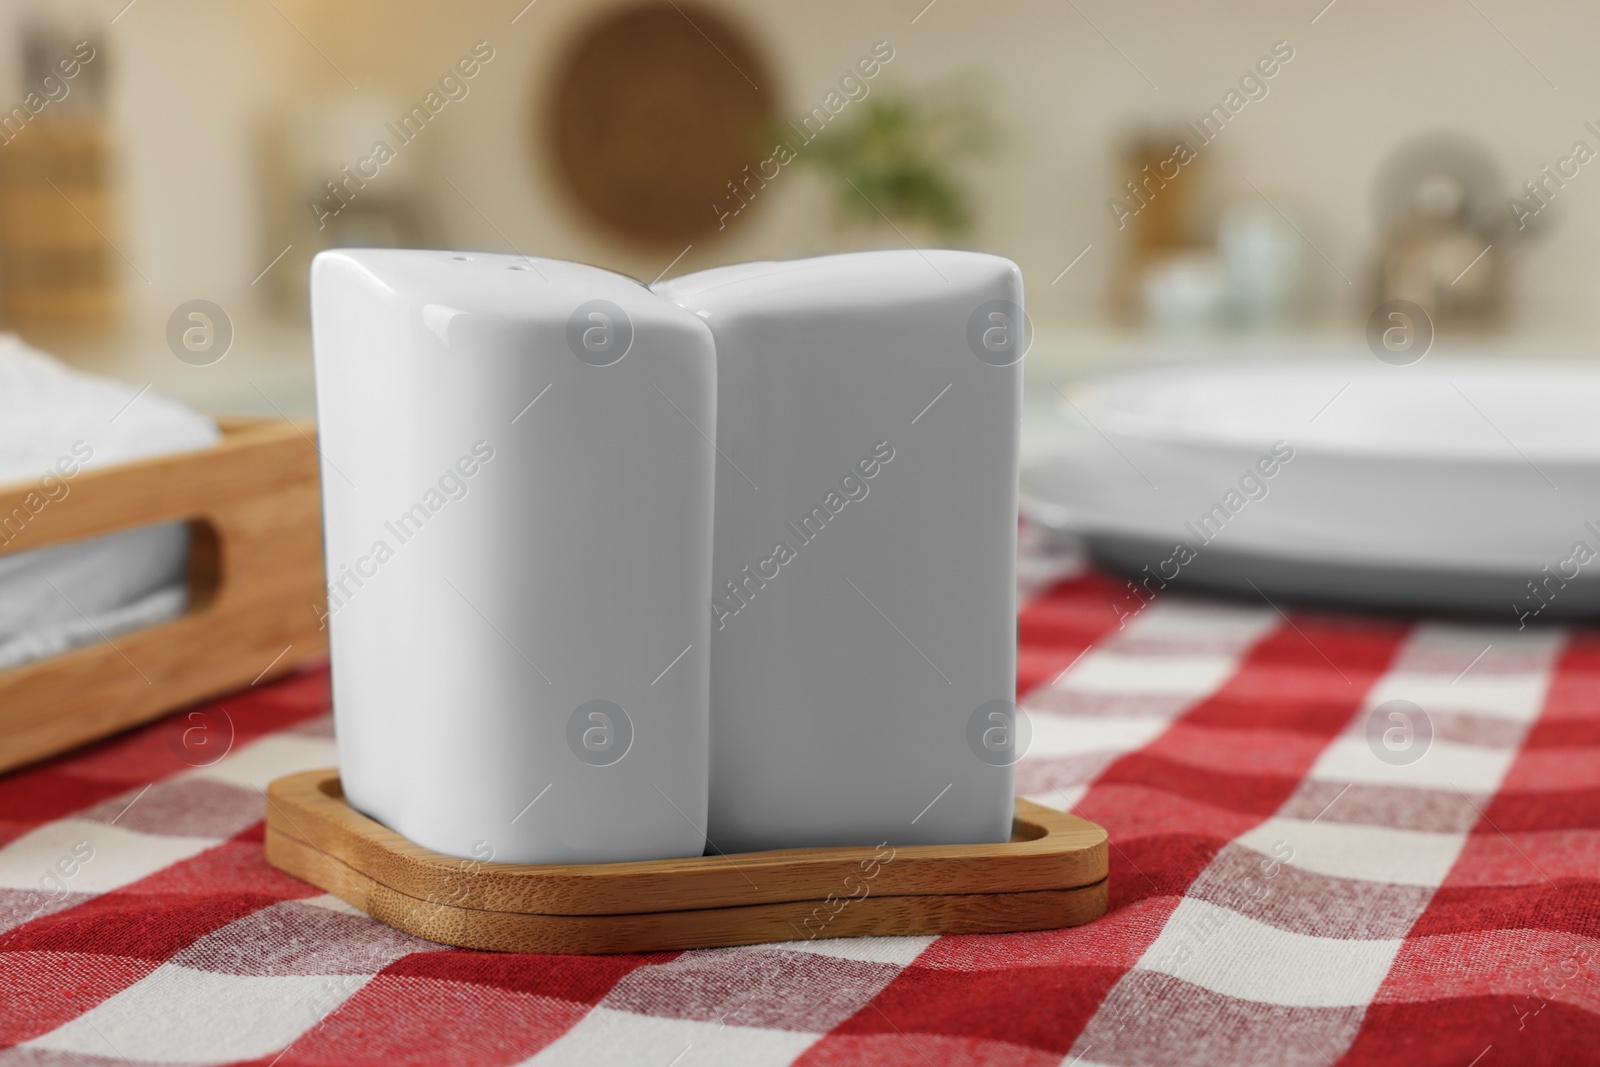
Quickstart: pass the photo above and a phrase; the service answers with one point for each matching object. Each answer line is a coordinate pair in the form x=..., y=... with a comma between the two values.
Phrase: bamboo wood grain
x=255, y=573
x=1051, y=874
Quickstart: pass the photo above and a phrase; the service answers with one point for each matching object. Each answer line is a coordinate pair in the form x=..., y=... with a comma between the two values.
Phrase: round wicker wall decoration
x=654, y=110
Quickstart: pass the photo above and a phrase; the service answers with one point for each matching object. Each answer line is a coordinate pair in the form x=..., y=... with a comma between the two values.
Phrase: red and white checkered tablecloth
x=1279, y=894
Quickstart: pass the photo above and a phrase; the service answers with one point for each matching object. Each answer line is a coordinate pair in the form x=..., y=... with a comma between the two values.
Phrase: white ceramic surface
x=560, y=454
x=1440, y=485
x=848, y=665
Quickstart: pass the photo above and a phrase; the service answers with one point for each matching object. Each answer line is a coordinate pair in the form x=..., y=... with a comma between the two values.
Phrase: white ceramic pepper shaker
x=517, y=484
x=863, y=633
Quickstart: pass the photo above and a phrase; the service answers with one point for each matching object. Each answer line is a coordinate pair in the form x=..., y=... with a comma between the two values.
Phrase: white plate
x=1442, y=485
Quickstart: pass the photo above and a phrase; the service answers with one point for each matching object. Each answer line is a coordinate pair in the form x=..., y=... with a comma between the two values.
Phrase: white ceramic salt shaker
x=863, y=634
x=517, y=483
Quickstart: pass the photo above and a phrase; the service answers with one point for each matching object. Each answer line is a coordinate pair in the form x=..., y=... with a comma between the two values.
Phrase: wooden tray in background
x=1052, y=873
x=255, y=576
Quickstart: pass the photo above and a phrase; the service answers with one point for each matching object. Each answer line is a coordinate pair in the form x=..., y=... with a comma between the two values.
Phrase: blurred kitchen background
x=1173, y=178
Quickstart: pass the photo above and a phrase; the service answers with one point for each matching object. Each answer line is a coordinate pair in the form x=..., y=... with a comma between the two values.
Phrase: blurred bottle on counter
x=1253, y=278
x=1190, y=267
x=1263, y=266
x=1156, y=209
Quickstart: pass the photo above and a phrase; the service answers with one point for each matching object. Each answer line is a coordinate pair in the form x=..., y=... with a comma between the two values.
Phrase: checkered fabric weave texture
x=1279, y=895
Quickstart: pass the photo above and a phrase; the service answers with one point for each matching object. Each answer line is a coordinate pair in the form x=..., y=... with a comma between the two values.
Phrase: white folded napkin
x=55, y=424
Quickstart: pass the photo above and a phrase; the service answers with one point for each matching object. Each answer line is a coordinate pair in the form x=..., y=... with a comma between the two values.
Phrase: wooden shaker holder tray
x=1052, y=873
